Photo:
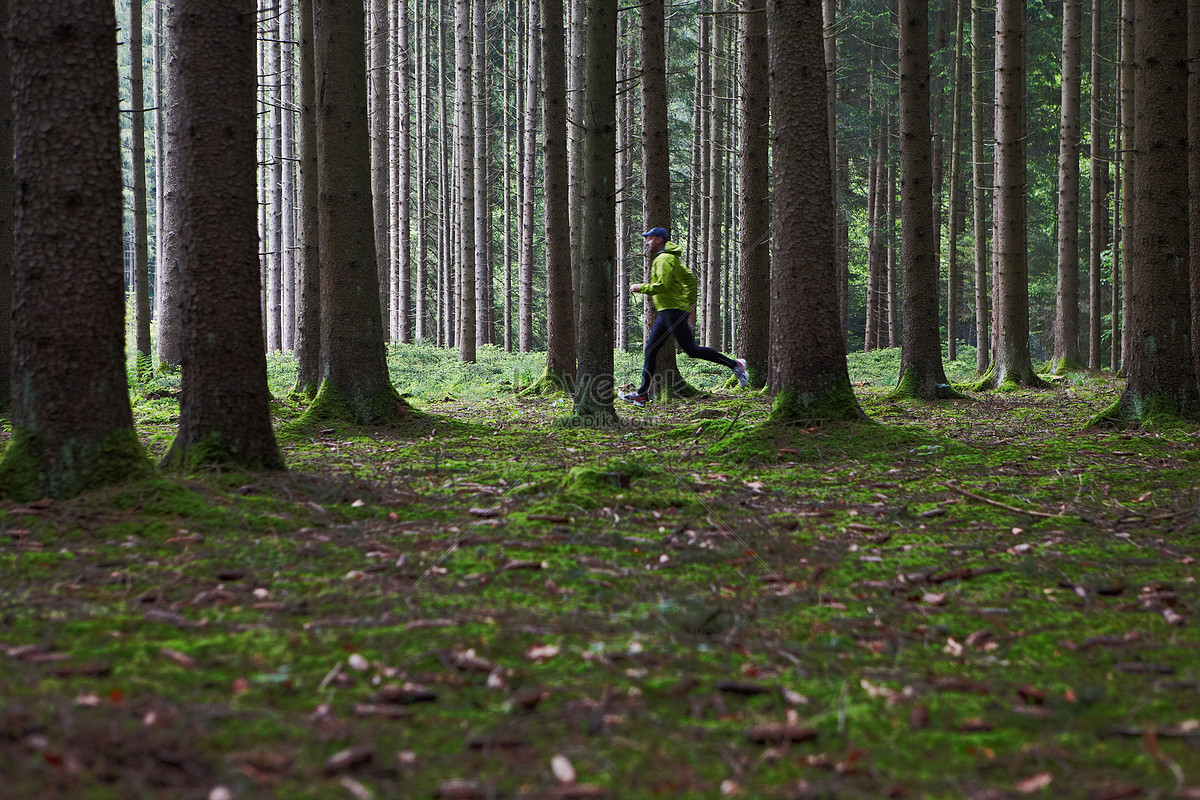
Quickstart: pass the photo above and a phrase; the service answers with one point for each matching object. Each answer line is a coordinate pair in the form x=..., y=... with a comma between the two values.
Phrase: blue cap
x=658, y=232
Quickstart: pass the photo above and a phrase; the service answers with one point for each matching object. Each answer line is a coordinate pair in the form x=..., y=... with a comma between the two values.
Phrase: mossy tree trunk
x=754, y=207
x=72, y=424
x=355, y=384
x=1161, y=376
x=594, y=387
x=656, y=172
x=225, y=411
x=921, y=372
x=808, y=372
x=1066, y=307
x=308, y=307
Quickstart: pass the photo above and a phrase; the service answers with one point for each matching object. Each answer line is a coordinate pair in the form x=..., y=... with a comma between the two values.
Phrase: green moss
x=909, y=388
x=331, y=403
x=214, y=449
x=26, y=473
x=548, y=383
x=1150, y=411
x=837, y=403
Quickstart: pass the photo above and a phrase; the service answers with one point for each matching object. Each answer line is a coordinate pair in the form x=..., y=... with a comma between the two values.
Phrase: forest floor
x=976, y=599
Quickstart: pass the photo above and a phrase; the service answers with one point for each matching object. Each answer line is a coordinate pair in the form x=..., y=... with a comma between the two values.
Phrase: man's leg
x=683, y=334
x=660, y=334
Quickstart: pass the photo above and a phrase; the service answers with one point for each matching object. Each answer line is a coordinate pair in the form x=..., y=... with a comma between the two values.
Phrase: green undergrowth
x=949, y=600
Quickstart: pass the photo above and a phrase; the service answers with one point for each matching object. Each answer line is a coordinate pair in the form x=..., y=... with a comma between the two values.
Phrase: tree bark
x=465, y=170
x=1194, y=173
x=1012, y=363
x=380, y=169
x=137, y=132
x=979, y=226
x=921, y=372
x=808, y=373
x=483, y=211
x=355, y=382
x=754, y=212
x=716, y=185
x=1161, y=374
x=1099, y=189
x=308, y=312
x=402, y=327
x=224, y=403
x=68, y=328
x=594, y=387
x=529, y=131
x=169, y=244
x=953, y=273
x=1128, y=115
x=560, y=304
x=7, y=197
x=1066, y=308
x=656, y=173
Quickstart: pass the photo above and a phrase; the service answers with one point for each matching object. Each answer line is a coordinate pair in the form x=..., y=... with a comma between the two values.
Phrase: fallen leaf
x=356, y=789
x=358, y=662
x=349, y=758
x=1034, y=784
x=541, y=653
x=560, y=765
x=779, y=733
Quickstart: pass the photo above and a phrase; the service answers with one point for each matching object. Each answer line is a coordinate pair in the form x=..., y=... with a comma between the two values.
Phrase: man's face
x=654, y=244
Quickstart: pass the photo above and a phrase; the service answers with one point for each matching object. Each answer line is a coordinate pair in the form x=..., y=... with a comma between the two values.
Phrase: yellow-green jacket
x=672, y=285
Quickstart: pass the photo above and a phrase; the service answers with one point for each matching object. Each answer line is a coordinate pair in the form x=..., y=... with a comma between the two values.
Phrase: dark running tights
x=674, y=322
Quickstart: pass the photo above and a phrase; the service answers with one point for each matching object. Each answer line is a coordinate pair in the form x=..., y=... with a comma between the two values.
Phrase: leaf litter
x=978, y=598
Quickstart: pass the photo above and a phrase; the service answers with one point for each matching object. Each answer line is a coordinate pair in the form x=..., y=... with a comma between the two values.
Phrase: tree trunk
x=378, y=112
x=560, y=305
x=1012, y=364
x=355, y=382
x=716, y=186
x=1099, y=189
x=308, y=313
x=483, y=211
x=893, y=259
x=403, y=108
x=1161, y=375
x=979, y=226
x=68, y=329
x=529, y=131
x=594, y=388
x=829, y=20
x=953, y=273
x=7, y=197
x=576, y=30
x=288, y=228
x=656, y=175
x=465, y=193
x=170, y=242
x=137, y=132
x=273, y=174
x=870, y=335
x=1193, y=174
x=1066, y=309
x=1128, y=114
x=921, y=372
x=224, y=403
x=754, y=212
x=808, y=373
